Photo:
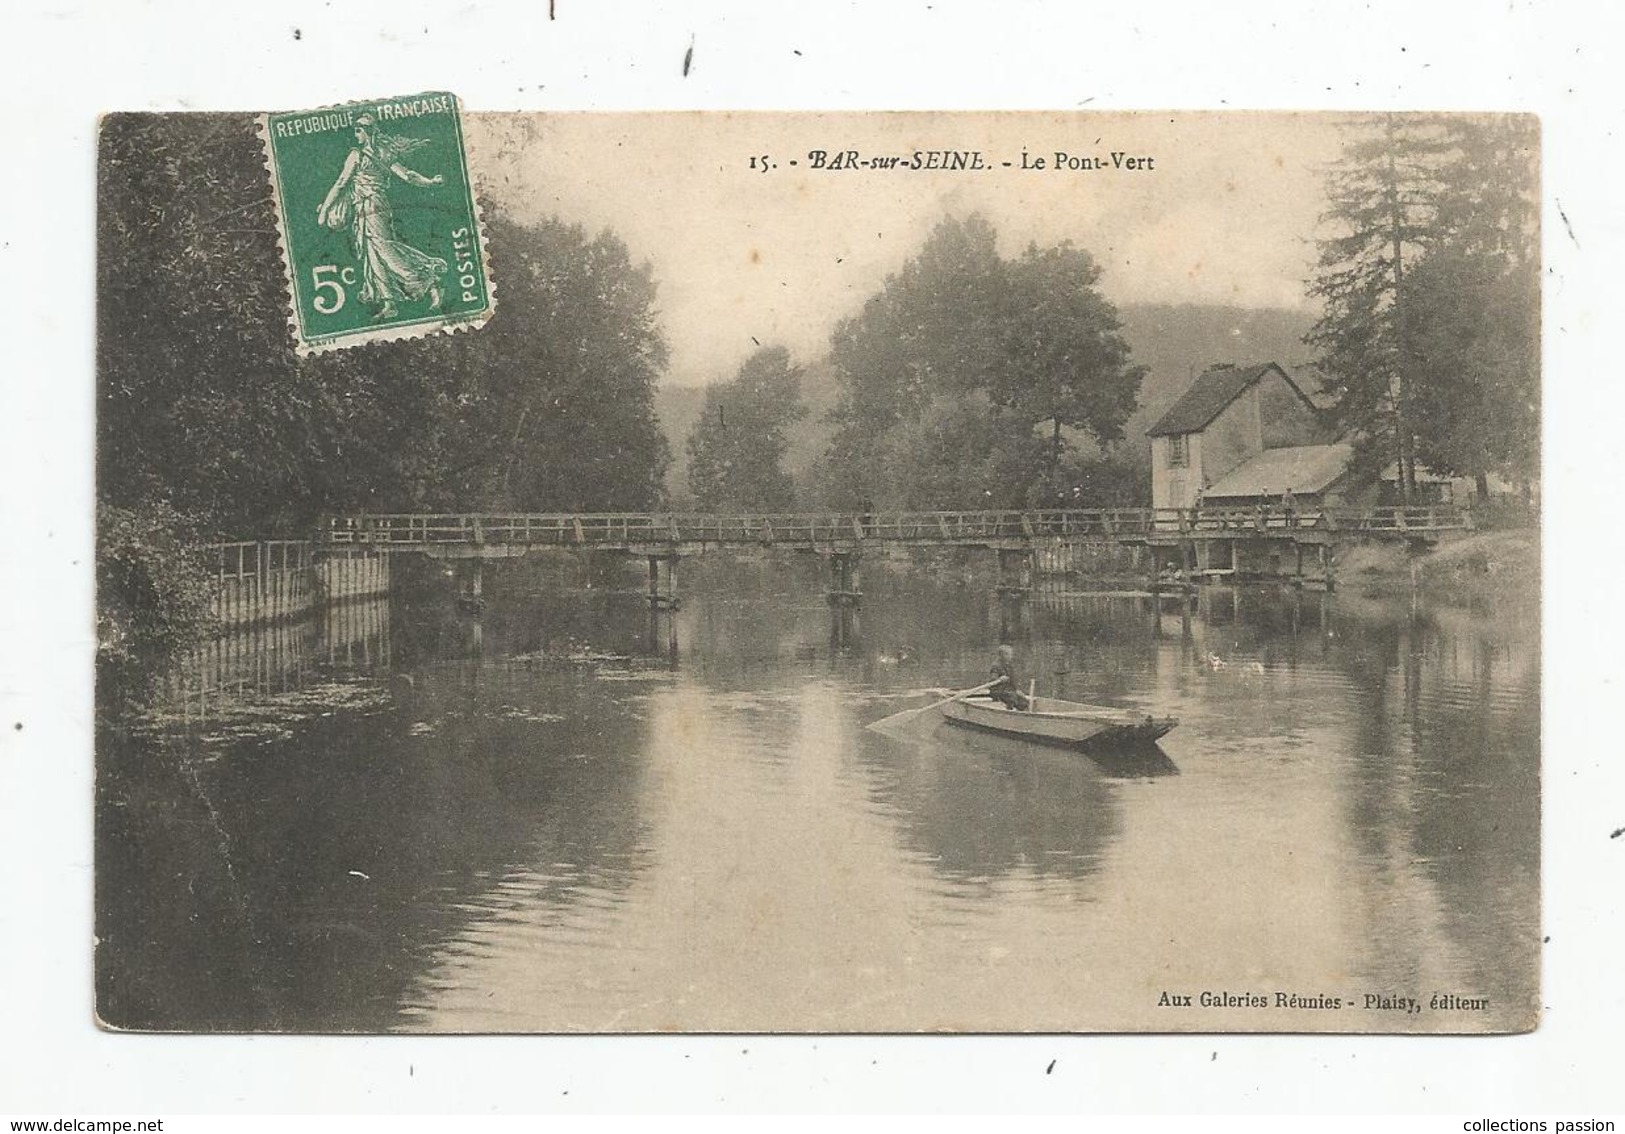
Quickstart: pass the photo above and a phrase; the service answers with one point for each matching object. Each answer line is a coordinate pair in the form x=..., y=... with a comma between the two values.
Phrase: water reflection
x=277, y=661
x=997, y=808
x=560, y=810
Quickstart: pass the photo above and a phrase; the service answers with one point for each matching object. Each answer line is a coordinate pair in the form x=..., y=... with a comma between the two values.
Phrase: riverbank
x=1460, y=571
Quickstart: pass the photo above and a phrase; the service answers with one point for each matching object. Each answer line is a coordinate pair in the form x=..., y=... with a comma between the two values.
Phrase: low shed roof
x=1301, y=468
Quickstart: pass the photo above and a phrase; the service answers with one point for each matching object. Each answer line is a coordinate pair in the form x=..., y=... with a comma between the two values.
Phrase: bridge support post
x=471, y=591
x=663, y=598
x=844, y=626
x=844, y=581
x=663, y=634
x=1015, y=571
x=1015, y=617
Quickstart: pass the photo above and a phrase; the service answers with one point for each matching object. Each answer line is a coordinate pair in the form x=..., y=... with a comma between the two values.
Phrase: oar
x=982, y=688
x=907, y=713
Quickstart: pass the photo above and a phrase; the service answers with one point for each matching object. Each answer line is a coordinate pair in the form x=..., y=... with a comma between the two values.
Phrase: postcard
x=817, y=572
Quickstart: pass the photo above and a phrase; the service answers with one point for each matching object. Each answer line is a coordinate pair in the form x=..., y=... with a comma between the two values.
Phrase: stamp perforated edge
x=449, y=325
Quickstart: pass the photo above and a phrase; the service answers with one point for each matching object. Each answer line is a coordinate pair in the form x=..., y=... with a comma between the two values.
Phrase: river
x=566, y=813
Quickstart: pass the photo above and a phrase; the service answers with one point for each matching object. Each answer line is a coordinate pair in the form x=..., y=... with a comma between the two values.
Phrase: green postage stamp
x=379, y=228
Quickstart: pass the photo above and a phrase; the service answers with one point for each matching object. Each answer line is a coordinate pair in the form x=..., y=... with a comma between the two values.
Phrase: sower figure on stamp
x=1007, y=680
x=391, y=270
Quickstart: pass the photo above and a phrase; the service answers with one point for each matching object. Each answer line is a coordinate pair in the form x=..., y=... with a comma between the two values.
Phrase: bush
x=1097, y=480
x=152, y=600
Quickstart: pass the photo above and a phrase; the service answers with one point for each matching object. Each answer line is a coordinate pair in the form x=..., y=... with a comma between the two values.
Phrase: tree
x=1474, y=303
x=209, y=426
x=199, y=398
x=203, y=403
x=560, y=416
x=152, y=600
x=1065, y=362
x=1489, y=201
x=948, y=371
x=931, y=332
x=1474, y=355
x=1117, y=476
x=964, y=452
x=1430, y=284
x=736, y=450
x=1383, y=197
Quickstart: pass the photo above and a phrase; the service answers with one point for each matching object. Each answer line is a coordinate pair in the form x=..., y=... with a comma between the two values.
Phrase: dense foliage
x=1429, y=280
x=736, y=450
x=208, y=422
x=153, y=599
x=969, y=379
x=204, y=404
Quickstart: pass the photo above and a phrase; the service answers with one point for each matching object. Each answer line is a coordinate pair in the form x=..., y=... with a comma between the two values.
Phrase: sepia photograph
x=724, y=572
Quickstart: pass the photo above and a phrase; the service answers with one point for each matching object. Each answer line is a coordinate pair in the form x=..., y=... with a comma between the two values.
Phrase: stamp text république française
x=344, y=118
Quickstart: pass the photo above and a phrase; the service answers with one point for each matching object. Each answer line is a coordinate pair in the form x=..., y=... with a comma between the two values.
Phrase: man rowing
x=1006, y=677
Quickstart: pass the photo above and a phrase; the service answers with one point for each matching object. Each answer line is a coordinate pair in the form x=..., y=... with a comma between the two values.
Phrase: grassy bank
x=1464, y=570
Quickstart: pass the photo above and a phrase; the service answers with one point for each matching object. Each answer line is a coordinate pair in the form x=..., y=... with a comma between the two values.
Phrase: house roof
x=1425, y=475
x=1214, y=389
x=1301, y=468
x=1315, y=385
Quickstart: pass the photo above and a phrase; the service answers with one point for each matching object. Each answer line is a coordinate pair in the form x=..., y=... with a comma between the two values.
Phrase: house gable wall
x=1162, y=476
x=1269, y=414
x=1171, y=487
x=1233, y=437
x=1285, y=419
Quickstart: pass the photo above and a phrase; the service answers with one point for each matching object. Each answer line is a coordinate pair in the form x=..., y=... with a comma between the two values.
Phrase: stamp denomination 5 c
x=379, y=228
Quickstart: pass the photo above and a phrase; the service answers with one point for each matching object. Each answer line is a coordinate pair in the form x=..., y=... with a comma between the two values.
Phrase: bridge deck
x=659, y=532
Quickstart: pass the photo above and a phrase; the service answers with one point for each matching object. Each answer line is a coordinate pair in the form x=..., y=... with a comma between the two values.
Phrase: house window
x=1179, y=453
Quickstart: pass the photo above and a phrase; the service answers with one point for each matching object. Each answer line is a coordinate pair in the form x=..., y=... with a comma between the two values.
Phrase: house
x=1431, y=487
x=1241, y=435
x=1439, y=488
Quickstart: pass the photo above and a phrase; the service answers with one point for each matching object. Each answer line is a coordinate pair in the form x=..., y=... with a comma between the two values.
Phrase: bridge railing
x=620, y=529
x=1273, y=518
x=587, y=529
x=1421, y=519
x=254, y=559
x=1238, y=520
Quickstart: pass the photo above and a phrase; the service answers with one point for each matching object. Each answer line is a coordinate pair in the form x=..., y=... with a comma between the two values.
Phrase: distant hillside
x=1175, y=342
x=678, y=408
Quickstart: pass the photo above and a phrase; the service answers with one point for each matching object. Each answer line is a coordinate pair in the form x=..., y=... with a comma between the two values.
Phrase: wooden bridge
x=675, y=533
x=271, y=580
x=1186, y=544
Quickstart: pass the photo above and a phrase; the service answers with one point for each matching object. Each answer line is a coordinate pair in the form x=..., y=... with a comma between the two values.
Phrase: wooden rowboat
x=1054, y=721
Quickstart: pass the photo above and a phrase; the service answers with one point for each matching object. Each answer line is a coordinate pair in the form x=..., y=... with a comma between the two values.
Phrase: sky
x=1226, y=212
